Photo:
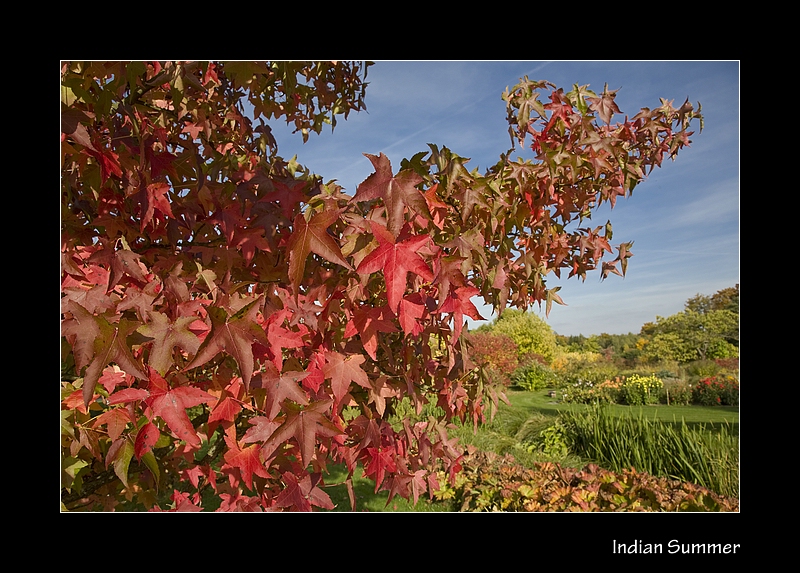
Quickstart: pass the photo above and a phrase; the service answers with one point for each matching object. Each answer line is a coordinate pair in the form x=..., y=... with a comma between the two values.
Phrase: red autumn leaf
x=342, y=370
x=379, y=390
x=280, y=338
x=305, y=425
x=228, y=405
x=261, y=429
x=111, y=378
x=377, y=461
x=315, y=377
x=171, y=403
x=140, y=300
x=120, y=263
x=459, y=304
x=410, y=313
x=247, y=460
x=289, y=196
x=304, y=493
x=145, y=439
x=99, y=343
x=312, y=237
x=280, y=387
x=154, y=197
x=108, y=160
x=250, y=241
x=128, y=395
x=115, y=420
x=437, y=209
x=368, y=322
x=605, y=105
x=396, y=260
x=397, y=192
x=234, y=334
x=398, y=485
x=418, y=484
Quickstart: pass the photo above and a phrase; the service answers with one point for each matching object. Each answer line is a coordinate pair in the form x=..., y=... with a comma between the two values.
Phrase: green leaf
x=149, y=460
x=578, y=97
x=122, y=461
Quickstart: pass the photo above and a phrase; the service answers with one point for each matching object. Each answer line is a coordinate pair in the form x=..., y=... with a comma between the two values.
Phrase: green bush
x=702, y=369
x=579, y=392
x=551, y=441
x=593, y=372
x=530, y=333
x=534, y=376
x=677, y=392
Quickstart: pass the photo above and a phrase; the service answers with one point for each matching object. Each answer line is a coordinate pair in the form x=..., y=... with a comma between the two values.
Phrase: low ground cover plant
x=489, y=482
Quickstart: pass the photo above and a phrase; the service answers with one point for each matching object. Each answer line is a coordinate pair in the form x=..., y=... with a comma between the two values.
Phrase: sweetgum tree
x=231, y=324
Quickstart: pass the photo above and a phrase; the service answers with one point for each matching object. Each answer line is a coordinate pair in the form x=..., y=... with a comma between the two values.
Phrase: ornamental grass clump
x=707, y=457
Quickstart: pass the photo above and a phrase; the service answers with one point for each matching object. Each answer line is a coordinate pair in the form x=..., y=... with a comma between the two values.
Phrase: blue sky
x=683, y=220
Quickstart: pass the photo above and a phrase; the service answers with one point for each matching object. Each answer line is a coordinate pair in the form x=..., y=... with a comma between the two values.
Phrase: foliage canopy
x=231, y=324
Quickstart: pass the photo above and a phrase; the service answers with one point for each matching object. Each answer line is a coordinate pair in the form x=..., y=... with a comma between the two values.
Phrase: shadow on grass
x=367, y=500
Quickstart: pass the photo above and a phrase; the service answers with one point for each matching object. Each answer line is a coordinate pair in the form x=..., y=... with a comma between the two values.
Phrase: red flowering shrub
x=720, y=390
x=495, y=352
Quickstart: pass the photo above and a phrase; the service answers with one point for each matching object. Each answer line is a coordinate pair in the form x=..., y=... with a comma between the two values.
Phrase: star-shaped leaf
x=368, y=322
x=397, y=191
x=305, y=425
x=170, y=405
x=246, y=459
x=303, y=493
x=312, y=237
x=154, y=198
x=377, y=461
x=342, y=370
x=410, y=312
x=120, y=262
x=396, y=259
x=166, y=336
x=280, y=338
x=235, y=334
x=261, y=428
x=146, y=438
x=280, y=387
x=459, y=304
x=115, y=420
x=98, y=343
x=228, y=405
x=605, y=105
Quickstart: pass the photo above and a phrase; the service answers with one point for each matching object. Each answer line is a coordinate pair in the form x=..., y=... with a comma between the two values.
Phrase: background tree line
x=706, y=329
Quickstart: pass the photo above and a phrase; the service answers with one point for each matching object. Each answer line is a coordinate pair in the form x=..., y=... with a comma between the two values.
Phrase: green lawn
x=540, y=402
